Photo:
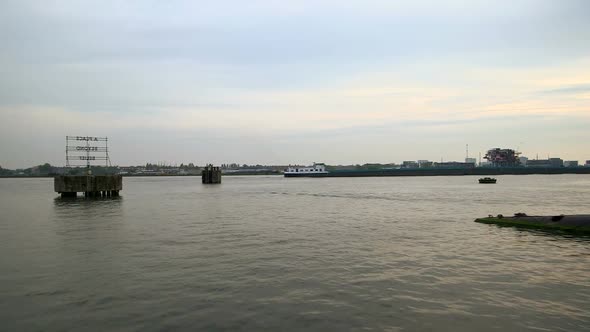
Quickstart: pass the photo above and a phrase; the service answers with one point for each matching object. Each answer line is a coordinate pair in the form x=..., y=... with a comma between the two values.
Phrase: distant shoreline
x=384, y=172
x=133, y=176
x=457, y=171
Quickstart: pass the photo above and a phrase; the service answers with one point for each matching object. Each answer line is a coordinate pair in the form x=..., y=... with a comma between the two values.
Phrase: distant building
x=556, y=162
x=454, y=164
x=503, y=157
x=538, y=163
x=551, y=162
x=570, y=163
x=471, y=160
x=425, y=163
x=486, y=164
x=587, y=164
x=523, y=160
x=372, y=166
x=410, y=164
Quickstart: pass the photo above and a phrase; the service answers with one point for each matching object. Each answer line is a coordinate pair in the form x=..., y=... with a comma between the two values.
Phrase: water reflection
x=90, y=212
x=68, y=202
x=82, y=198
x=550, y=234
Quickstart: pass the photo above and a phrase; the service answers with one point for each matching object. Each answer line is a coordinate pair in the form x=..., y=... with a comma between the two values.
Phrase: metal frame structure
x=96, y=148
x=503, y=157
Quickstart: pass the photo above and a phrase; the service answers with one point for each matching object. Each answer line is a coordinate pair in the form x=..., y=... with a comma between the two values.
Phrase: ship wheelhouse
x=316, y=169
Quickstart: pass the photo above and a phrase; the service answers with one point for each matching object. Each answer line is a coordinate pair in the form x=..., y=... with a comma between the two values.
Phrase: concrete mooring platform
x=211, y=174
x=90, y=185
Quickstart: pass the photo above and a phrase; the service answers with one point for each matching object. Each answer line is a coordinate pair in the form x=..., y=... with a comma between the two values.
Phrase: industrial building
x=410, y=164
x=551, y=162
x=503, y=157
x=425, y=163
x=454, y=164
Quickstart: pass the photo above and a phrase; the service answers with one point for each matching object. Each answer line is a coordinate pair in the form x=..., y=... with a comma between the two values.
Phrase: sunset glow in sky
x=284, y=82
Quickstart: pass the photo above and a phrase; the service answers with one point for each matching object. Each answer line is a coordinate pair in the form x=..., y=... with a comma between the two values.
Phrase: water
x=269, y=253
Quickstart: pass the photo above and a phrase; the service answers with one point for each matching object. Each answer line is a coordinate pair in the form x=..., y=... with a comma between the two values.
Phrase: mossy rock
x=516, y=222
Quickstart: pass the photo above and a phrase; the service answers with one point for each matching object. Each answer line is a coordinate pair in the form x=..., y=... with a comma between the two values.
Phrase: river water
x=269, y=253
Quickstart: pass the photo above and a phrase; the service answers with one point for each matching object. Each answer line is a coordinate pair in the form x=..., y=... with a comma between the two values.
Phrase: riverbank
x=137, y=175
x=453, y=172
x=480, y=171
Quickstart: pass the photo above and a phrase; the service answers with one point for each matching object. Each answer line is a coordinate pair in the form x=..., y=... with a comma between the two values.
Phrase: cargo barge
x=325, y=171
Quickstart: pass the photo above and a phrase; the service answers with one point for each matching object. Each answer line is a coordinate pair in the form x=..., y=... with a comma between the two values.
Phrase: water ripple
x=267, y=253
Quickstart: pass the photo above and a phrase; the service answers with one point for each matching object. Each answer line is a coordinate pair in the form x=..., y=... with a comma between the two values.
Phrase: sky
x=294, y=82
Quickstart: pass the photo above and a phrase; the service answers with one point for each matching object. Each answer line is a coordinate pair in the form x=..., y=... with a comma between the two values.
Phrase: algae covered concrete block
x=87, y=183
x=211, y=174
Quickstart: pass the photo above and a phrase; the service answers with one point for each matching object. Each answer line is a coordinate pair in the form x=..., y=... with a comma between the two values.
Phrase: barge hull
x=482, y=171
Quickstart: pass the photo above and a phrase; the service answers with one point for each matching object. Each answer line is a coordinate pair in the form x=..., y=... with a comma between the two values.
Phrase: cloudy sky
x=280, y=82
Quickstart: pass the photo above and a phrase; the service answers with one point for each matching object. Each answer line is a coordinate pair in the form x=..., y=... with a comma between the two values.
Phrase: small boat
x=487, y=180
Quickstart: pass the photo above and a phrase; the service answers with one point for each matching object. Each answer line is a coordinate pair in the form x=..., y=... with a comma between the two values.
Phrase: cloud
x=568, y=90
x=246, y=75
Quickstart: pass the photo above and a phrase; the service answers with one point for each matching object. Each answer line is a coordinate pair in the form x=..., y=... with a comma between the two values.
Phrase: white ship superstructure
x=317, y=169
